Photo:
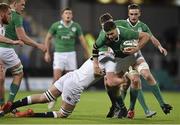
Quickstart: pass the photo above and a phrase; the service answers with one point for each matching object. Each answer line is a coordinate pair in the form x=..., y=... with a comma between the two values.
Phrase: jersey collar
x=131, y=23
x=61, y=22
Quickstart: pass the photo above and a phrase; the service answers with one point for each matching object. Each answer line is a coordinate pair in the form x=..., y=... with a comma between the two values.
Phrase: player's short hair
x=106, y=21
x=4, y=7
x=105, y=17
x=108, y=26
x=67, y=8
x=134, y=6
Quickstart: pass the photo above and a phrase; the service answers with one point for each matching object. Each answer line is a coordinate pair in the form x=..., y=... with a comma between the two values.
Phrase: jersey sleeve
x=147, y=30
x=52, y=29
x=79, y=30
x=18, y=20
x=128, y=34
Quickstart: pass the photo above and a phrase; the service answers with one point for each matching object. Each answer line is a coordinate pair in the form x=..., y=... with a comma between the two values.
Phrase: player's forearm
x=48, y=41
x=29, y=41
x=6, y=40
x=155, y=42
x=143, y=39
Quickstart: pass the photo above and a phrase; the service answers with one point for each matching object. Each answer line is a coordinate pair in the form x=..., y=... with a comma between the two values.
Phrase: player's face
x=134, y=15
x=67, y=16
x=6, y=17
x=112, y=35
x=19, y=6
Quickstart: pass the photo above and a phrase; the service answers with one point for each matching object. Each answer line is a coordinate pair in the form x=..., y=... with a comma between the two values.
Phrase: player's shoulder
x=142, y=23
x=15, y=14
x=75, y=24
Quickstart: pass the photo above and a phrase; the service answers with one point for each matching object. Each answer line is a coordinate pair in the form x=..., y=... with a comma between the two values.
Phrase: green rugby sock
x=133, y=97
x=142, y=101
x=13, y=91
x=2, y=100
x=157, y=93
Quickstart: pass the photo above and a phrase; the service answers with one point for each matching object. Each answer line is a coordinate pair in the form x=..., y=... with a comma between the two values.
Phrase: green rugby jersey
x=10, y=29
x=124, y=34
x=65, y=36
x=139, y=26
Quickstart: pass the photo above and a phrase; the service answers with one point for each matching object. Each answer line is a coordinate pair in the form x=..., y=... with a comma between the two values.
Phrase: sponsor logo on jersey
x=60, y=26
x=139, y=29
x=74, y=29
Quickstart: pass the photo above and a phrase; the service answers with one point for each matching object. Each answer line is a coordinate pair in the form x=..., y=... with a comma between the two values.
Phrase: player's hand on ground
x=47, y=57
x=162, y=50
x=130, y=50
x=18, y=42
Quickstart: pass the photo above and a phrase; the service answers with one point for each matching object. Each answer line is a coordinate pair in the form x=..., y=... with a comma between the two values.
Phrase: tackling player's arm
x=9, y=41
x=95, y=53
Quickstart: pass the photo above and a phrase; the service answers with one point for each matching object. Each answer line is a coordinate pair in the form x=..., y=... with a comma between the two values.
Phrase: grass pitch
x=93, y=107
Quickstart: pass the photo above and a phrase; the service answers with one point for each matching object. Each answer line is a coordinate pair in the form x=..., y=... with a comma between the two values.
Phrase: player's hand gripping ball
x=128, y=44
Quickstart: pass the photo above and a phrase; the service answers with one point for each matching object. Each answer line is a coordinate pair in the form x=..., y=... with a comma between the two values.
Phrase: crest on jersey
x=139, y=29
x=60, y=26
x=73, y=29
x=68, y=98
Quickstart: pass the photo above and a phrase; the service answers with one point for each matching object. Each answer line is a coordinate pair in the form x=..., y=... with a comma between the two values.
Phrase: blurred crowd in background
x=163, y=18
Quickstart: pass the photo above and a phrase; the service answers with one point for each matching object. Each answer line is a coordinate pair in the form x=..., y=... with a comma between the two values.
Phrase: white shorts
x=9, y=57
x=71, y=92
x=65, y=61
x=139, y=55
x=124, y=63
x=107, y=62
x=142, y=66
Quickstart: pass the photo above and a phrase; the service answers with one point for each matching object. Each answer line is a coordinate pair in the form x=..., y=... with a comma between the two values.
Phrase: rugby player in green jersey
x=5, y=12
x=141, y=65
x=15, y=31
x=65, y=32
x=113, y=36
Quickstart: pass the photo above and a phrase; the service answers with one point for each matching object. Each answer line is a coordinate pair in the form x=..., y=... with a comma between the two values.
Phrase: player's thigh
x=9, y=57
x=59, y=61
x=2, y=70
x=65, y=110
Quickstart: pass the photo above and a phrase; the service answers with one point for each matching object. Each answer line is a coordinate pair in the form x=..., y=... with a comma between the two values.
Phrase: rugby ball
x=128, y=44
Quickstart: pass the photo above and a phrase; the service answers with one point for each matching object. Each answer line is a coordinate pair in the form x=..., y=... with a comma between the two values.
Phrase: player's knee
x=111, y=82
x=64, y=113
x=18, y=71
x=135, y=82
x=48, y=96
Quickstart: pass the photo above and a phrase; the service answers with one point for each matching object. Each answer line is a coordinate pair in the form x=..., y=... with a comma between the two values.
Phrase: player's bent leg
x=17, y=73
x=66, y=110
x=134, y=90
x=57, y=73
